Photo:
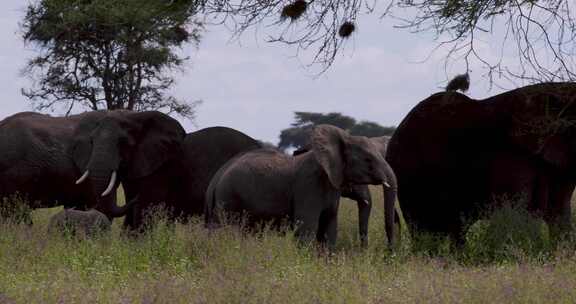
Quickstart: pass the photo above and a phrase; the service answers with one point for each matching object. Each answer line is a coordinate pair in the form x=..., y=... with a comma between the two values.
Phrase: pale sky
x=255, y=87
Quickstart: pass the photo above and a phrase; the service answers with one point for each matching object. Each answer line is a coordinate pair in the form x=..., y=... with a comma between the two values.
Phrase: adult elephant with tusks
x=125, y=146
x=268, y=185
x=361, y=193
x=77, y=161
x=455, y=156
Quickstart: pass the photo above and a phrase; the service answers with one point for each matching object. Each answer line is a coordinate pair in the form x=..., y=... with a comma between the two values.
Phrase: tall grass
x=188, y=264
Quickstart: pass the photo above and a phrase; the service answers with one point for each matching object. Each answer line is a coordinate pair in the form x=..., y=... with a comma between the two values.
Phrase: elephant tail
x=213, y=205
x=210, y=203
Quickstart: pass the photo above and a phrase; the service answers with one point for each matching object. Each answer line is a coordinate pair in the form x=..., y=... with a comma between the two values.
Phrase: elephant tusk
x=83, y=177
x=367, y=202
x=111, y=184
x=387, y=185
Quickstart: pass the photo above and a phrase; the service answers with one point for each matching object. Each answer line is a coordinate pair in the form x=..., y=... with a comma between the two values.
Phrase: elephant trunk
x=106, y=182
x=364, y=209
x=390, y=189
x=109, y=207
x=102, y=170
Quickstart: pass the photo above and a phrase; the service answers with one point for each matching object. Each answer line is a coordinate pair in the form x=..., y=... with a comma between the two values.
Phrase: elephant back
x=205, y=151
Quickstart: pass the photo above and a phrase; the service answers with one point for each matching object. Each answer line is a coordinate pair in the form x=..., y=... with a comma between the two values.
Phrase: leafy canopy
x=297, y=135
x=532, y=40
x=108, y=54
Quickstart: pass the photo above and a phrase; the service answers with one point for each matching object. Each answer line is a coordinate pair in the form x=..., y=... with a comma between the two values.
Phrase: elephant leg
x=131, y=219
x=328, y=228
x=306, y=225
x=364, y=209
x=559, y=210
x=515, y=177
x=332, y=230
x=134, y=219
x=321, y=234
x=458, y=236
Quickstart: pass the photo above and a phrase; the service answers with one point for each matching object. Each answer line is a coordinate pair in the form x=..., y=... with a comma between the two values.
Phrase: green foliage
x=510, y=234
x=297, y=135
x=189, y=264
x=516, y=26
x=15, y=209
x=460, y=16
x=371, y=129
x=304, y=119
x=108, y=54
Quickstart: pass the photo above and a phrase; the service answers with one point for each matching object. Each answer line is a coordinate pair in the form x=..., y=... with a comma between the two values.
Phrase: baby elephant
x=78, y=222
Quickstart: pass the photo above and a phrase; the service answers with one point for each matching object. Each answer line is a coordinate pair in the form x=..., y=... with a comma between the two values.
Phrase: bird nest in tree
x=346, y=29
x=294, y=10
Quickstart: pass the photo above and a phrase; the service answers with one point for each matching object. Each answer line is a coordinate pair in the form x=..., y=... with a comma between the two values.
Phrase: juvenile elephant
x=454, y=155
x=78, y=222
x=181, y=183
x=361, y=193
x=268, y=185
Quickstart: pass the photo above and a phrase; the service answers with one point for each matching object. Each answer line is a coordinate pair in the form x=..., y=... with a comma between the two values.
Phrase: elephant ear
x=382, y=143
x=81, y=148
x=539, y=127
x=159, y=140
x=327, y=142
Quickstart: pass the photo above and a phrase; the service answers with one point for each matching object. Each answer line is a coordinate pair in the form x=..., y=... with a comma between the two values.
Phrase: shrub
x=15, y=209
x=510, y=234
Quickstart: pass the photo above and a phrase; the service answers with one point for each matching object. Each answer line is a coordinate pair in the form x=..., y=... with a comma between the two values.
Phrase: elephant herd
x=450, y=158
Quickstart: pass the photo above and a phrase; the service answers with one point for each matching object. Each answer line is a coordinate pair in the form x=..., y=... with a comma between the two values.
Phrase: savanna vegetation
x=296, y=136
x=508, y=259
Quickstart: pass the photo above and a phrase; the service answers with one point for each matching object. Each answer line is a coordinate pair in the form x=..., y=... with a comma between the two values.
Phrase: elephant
x=456, y=157
x=42, y=159
x=269, y=185
x=181, y=185
x=361, y=193
x=127, y=147
x=88, y=223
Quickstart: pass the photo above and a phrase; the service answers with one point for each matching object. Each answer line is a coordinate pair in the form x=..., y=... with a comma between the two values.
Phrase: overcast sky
x=255, y=87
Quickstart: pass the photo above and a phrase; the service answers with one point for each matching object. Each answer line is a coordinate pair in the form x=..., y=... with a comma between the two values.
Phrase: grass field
x=509, y=259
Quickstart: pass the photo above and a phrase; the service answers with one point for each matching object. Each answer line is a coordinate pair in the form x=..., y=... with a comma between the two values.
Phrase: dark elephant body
x=205, y=151
x=268, y=185
x=124, y=146
x=35, y=160
x=181, y=183
x=455, y=157
x=79, y=160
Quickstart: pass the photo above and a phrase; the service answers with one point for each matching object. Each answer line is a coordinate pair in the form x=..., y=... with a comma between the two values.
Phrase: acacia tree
x=541, y=32
x=108, y=54
x=297, y=135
